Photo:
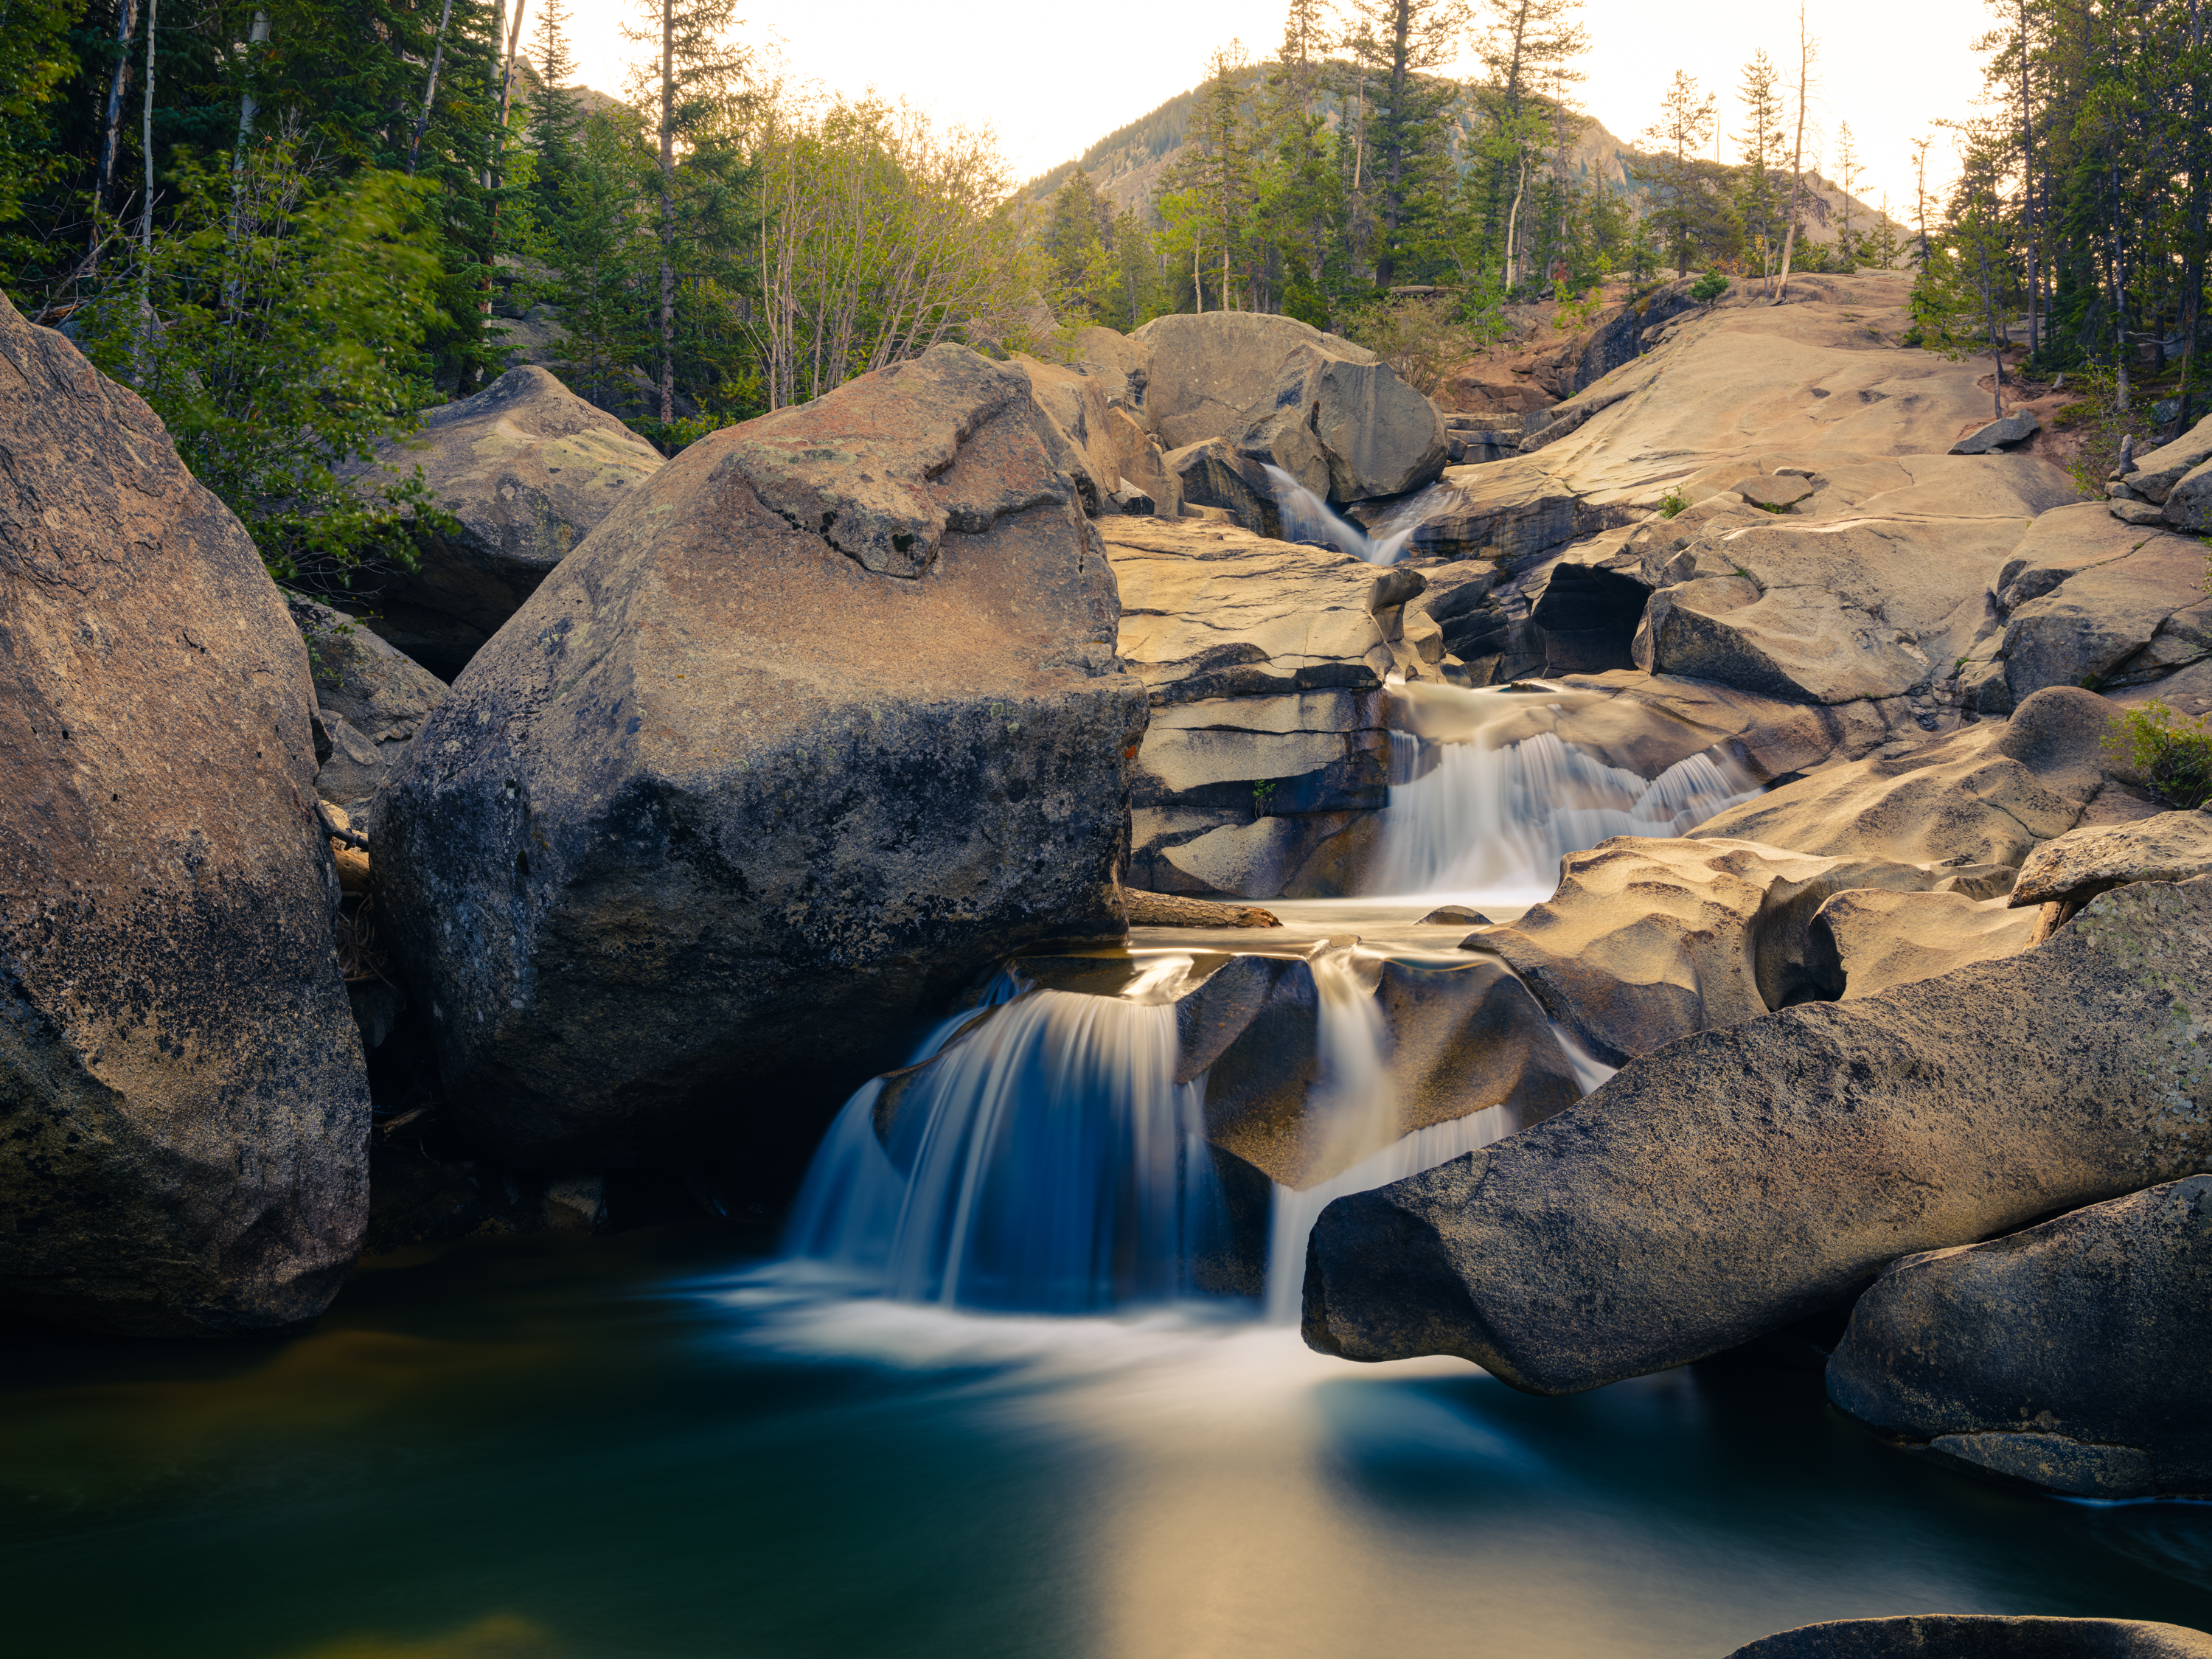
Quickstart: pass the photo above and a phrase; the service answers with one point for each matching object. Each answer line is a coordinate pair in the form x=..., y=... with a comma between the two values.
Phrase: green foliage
x=1263, y=793
x=2099, y=425
x=276, y=326
x=2170, y=750
x=1710, y=286
x=670, y=437
x=1673, y=502
x=1423, y=336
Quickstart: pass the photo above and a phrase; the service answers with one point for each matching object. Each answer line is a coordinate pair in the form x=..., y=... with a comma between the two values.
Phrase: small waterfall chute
x=1040, y=1158
x=1491, y=819
x=1307, y=518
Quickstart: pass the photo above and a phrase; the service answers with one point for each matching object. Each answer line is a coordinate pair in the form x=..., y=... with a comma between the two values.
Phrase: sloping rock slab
x=1981, y=1636
x=529, y=469
x=823, y=720
x=186, y=1105
x=1866, y=941
x=2069, y=1355
x=1984, y=795
x=1740, y=1179
x=2083, y=863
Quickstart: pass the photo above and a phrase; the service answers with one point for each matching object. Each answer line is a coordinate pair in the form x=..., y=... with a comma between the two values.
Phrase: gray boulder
x=2189, y=503
x=2016, y=427
x=1510, y=511
x=2069, y=1355
x=371, y=699
x=1737, y=1180
x=1213, y=472
x=2157, y=471
x=528, y=469
x=824, y=719
x=1208, y=376
x=1981, y=1636
x=187, y=1112
x=2083, y=863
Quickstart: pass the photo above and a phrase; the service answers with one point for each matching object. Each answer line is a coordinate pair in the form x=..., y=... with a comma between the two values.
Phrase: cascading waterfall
x=1046, y=1162
x=1493, y=820
x=1307, y=518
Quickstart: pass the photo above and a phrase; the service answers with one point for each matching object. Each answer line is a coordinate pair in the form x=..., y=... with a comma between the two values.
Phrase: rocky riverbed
x=1182, y=826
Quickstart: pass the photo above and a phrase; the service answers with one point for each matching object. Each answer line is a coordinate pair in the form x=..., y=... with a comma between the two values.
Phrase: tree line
x=2075, y=233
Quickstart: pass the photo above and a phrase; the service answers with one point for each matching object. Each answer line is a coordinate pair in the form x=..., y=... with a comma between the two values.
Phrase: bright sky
x=1051, y=79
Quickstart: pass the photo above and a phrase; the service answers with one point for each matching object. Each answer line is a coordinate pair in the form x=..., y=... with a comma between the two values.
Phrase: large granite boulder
x=1266, y=760
x=528, y=469
x=1506, y=511
x=2088, y=600
x=1326, y=411
x=1874, y=609
x=370, y=701
x=1981, y=1636
x=2068, y=1356
x=186, y=1111
x=1740, y=1179
x=2156, y=473
x=1647, y=940
x=822, y=719
x=2080, y=864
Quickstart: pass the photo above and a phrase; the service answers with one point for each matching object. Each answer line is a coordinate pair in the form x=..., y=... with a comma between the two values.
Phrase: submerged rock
x=2069, y=1355
x=1736, y=1180
x=1981, y=1636
x=183, y=1089
x=529, y=469
x=824, y=719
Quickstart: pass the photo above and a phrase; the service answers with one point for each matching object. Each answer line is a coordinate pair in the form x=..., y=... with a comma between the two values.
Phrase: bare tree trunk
x=144, y=342
x=111, y=126
x=497, y=174
x=2027, y=184
x=668, y=211
x=2192, y=296
x=1197, y=281
x=1797, y=155
x=430, y=92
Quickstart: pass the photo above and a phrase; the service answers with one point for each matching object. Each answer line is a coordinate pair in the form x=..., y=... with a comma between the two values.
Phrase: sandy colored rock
x=1505, y=510
x=1076, y=427
x=1179, y=910
x=1648, y=939
x=1981, y=1636
x=179, y=1068
x=2070, y=1355
x=1208, y=375
x=529, y=469
x=823, y=720
x=2115, y=586
x=2083, y=863
x=1985, y=794
x=1865, y=941
x=1739, y=1179
x=1774, y=493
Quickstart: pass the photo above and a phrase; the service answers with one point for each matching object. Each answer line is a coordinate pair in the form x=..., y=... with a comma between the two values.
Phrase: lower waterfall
x=1047, y=1161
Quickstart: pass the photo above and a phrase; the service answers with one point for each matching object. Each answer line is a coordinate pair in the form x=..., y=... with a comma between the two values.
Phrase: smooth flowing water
x=1490, y=819
x=1307, y=518
x=654, y=1447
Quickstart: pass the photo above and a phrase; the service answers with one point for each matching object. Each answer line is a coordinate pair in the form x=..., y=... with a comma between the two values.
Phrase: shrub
x=2172, y=751
x=1673, y=502
x=1710, y=286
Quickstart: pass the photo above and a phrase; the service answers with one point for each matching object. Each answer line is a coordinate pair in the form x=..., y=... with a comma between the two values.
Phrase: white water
x=1492, y=820
x=1307, y=518
x=1053, y=1164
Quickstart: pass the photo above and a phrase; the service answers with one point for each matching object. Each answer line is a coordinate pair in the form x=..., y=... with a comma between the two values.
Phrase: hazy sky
x=1051, y=79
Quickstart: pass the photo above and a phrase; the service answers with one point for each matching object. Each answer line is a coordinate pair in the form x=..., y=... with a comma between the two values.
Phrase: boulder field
x=184, y=1109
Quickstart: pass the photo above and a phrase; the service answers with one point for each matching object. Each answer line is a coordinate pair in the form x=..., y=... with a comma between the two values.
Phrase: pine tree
x=1400, y=43
x=1680, y=189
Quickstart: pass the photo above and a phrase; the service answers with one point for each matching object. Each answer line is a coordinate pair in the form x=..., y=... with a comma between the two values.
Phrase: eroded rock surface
x=1981, y=1636
x=679, y=863
x=2068, y=1356
x=1738, y=1179
x=187, y=1107
x=2085, y=862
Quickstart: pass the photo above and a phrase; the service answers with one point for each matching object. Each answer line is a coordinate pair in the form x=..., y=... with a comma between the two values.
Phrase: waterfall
x=1296, y=1211
x=1492, y=820
x=1047, y=1161
x=1307, y=518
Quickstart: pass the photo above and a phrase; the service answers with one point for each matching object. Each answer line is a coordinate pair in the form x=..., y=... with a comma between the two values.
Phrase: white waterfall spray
x=1047, y=1161
x=1307, y=518
x=1492, y=820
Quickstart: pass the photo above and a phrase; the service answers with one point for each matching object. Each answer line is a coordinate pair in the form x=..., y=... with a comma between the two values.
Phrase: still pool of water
x=653, y=1446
